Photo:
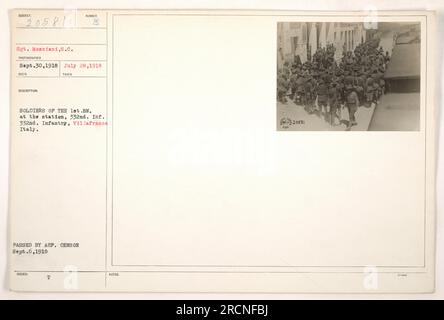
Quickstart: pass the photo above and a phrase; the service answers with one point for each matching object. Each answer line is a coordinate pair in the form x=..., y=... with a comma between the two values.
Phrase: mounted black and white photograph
x=348, y=76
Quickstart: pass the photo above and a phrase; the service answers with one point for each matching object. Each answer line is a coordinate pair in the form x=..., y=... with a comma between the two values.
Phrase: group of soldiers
x=324, y=87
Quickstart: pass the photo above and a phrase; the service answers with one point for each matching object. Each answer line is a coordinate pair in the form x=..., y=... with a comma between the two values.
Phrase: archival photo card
x=148, y=151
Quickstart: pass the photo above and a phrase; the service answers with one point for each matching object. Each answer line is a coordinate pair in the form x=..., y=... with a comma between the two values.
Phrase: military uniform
x=309, y=95
x=333, y=101
x=300, y=91
x=322, y=92
x=376, y=92
x=357, y=77
x=352, y=102
x=369, y=92
x=282, y=88
x=293, y=85
x=359, y=85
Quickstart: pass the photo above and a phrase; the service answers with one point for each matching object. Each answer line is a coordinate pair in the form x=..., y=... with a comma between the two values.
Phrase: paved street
x=395, y=112
x=291, y=117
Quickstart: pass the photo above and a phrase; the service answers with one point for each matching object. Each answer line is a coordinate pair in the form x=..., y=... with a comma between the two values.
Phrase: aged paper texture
x=222, y=151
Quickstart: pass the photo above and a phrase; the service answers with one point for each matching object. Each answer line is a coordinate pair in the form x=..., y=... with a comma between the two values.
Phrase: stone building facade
x=304, y=38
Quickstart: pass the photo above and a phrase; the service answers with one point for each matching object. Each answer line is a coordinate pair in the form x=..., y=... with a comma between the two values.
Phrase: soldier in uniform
x=340, y=87
x=376, y=91
x=282, y=88
x=359, y=86
x=348, y=78
x=386, y=58
x=382, y=85
x=352, y=103
x=322, y=92
x=357, y=77
x=369, y=92
x=293, y=85
x=300, y=90
x=333, y=101
x=309, y=95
